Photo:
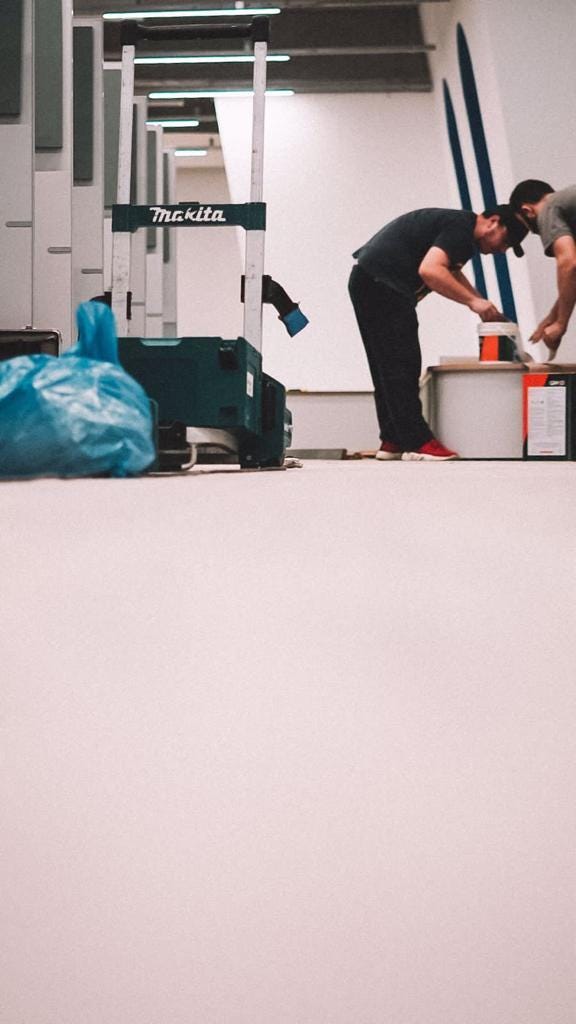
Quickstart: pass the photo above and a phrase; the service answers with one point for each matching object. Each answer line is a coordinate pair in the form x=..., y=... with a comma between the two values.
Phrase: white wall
x=537, y=102
x=440, y=23
x=338, y=167
x=208, y=262
x=522, y=52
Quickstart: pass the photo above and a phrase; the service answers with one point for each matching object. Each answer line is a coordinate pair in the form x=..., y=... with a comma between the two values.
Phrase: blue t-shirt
x=395, y=252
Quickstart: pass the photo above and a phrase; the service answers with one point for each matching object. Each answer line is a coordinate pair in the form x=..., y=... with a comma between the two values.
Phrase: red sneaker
x=387, y=451
x=432, y=451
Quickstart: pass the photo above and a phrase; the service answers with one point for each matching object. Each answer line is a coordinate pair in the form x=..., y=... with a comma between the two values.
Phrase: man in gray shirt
x=552, y=215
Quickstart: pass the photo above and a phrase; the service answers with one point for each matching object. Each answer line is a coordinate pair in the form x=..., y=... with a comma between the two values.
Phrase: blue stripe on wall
x=462, y=180
x=483, y=164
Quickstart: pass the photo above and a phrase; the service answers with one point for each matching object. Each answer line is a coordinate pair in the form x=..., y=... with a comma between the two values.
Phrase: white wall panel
x=16, y=208
x=88, y=197
x=138, y=248
x=154, y=261
x=169, y=266
x=522, y=52
x=209, y=263
x=52, y=292
x=16, y=195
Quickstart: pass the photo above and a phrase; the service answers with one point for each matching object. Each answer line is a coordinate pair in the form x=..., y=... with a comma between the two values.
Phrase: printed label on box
x=250, y=384
x=547, y=421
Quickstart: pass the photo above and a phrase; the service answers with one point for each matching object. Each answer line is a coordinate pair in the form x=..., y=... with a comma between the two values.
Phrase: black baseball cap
x=515, y=229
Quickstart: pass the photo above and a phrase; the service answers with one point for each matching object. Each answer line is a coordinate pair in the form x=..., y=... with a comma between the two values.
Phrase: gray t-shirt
x=557, y=218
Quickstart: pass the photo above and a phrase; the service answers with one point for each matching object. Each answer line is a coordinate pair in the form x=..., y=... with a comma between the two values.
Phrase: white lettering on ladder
x=196, y=214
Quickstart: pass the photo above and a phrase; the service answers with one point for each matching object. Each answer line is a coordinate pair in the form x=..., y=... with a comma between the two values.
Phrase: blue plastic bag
x=77, y=415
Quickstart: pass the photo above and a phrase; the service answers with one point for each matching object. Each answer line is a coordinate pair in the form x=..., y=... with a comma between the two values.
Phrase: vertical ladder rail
x=254, y=260
x=121, y=241
x=121, y=248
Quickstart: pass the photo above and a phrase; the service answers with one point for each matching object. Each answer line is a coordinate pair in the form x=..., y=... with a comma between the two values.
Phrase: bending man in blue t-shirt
x=552, y=215
x=415, y=254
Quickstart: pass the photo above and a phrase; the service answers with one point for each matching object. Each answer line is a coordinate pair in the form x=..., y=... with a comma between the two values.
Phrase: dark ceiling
x=333, y=45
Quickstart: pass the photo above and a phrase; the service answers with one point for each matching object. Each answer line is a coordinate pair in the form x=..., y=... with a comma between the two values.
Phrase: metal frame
x=125, y=219
x=254, y=253
x=121, y=241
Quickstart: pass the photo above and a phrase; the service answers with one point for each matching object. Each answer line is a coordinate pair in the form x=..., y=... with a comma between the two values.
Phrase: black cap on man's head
x=530, y=191
x=515, y=229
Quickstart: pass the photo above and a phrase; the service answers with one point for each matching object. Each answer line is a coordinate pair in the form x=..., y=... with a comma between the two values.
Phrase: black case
x=29, y=342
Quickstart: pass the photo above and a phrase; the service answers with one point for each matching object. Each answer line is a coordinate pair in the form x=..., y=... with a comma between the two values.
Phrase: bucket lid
x=497, y=327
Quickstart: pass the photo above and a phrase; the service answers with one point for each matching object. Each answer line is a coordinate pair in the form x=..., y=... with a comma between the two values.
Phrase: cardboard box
x=549, y=415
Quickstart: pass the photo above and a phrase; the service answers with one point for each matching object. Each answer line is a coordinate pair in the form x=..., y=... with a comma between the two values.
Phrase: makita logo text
x=196, y=214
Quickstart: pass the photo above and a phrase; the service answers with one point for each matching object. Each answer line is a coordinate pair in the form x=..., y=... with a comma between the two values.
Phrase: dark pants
x=389, y=329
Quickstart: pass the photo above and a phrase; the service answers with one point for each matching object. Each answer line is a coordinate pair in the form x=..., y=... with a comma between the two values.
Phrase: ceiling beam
x=294, y=5
x=306, y=51
x=286, y=5
x=356, y=51
x=304, y=86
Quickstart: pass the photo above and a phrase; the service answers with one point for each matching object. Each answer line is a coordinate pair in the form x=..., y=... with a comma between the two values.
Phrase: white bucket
x=498, y=342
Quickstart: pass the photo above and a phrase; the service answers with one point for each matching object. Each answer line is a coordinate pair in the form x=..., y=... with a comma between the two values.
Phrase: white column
x=154, y=261
x=137, y=326
x=16, y=194
x=52, y=260
x=255, y=239
x=122, y=242
x=170, y=285
x=112, y=76
x=88, y=196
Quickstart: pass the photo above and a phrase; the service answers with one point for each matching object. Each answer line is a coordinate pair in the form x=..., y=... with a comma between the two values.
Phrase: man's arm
x=463, y=280
x=452, y=284
x=553, y=327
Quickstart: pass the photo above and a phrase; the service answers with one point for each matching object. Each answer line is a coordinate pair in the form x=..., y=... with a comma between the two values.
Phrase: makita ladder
x=250, y=216
x=234, y=395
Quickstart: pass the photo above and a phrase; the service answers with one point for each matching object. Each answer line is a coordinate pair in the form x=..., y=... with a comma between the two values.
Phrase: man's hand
x=485, y=310
x=553, y=334
x=538, y=333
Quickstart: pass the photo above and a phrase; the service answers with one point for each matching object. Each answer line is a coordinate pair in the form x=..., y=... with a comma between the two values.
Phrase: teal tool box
x=212, y=383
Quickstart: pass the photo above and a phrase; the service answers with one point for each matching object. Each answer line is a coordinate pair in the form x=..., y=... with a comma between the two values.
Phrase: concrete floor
x=291, y=747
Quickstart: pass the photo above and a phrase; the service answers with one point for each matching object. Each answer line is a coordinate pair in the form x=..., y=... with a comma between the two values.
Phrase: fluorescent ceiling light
x=227, y=13
x=216, y=59
x=174, y=123
x=199, y=94
x=190, y=152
